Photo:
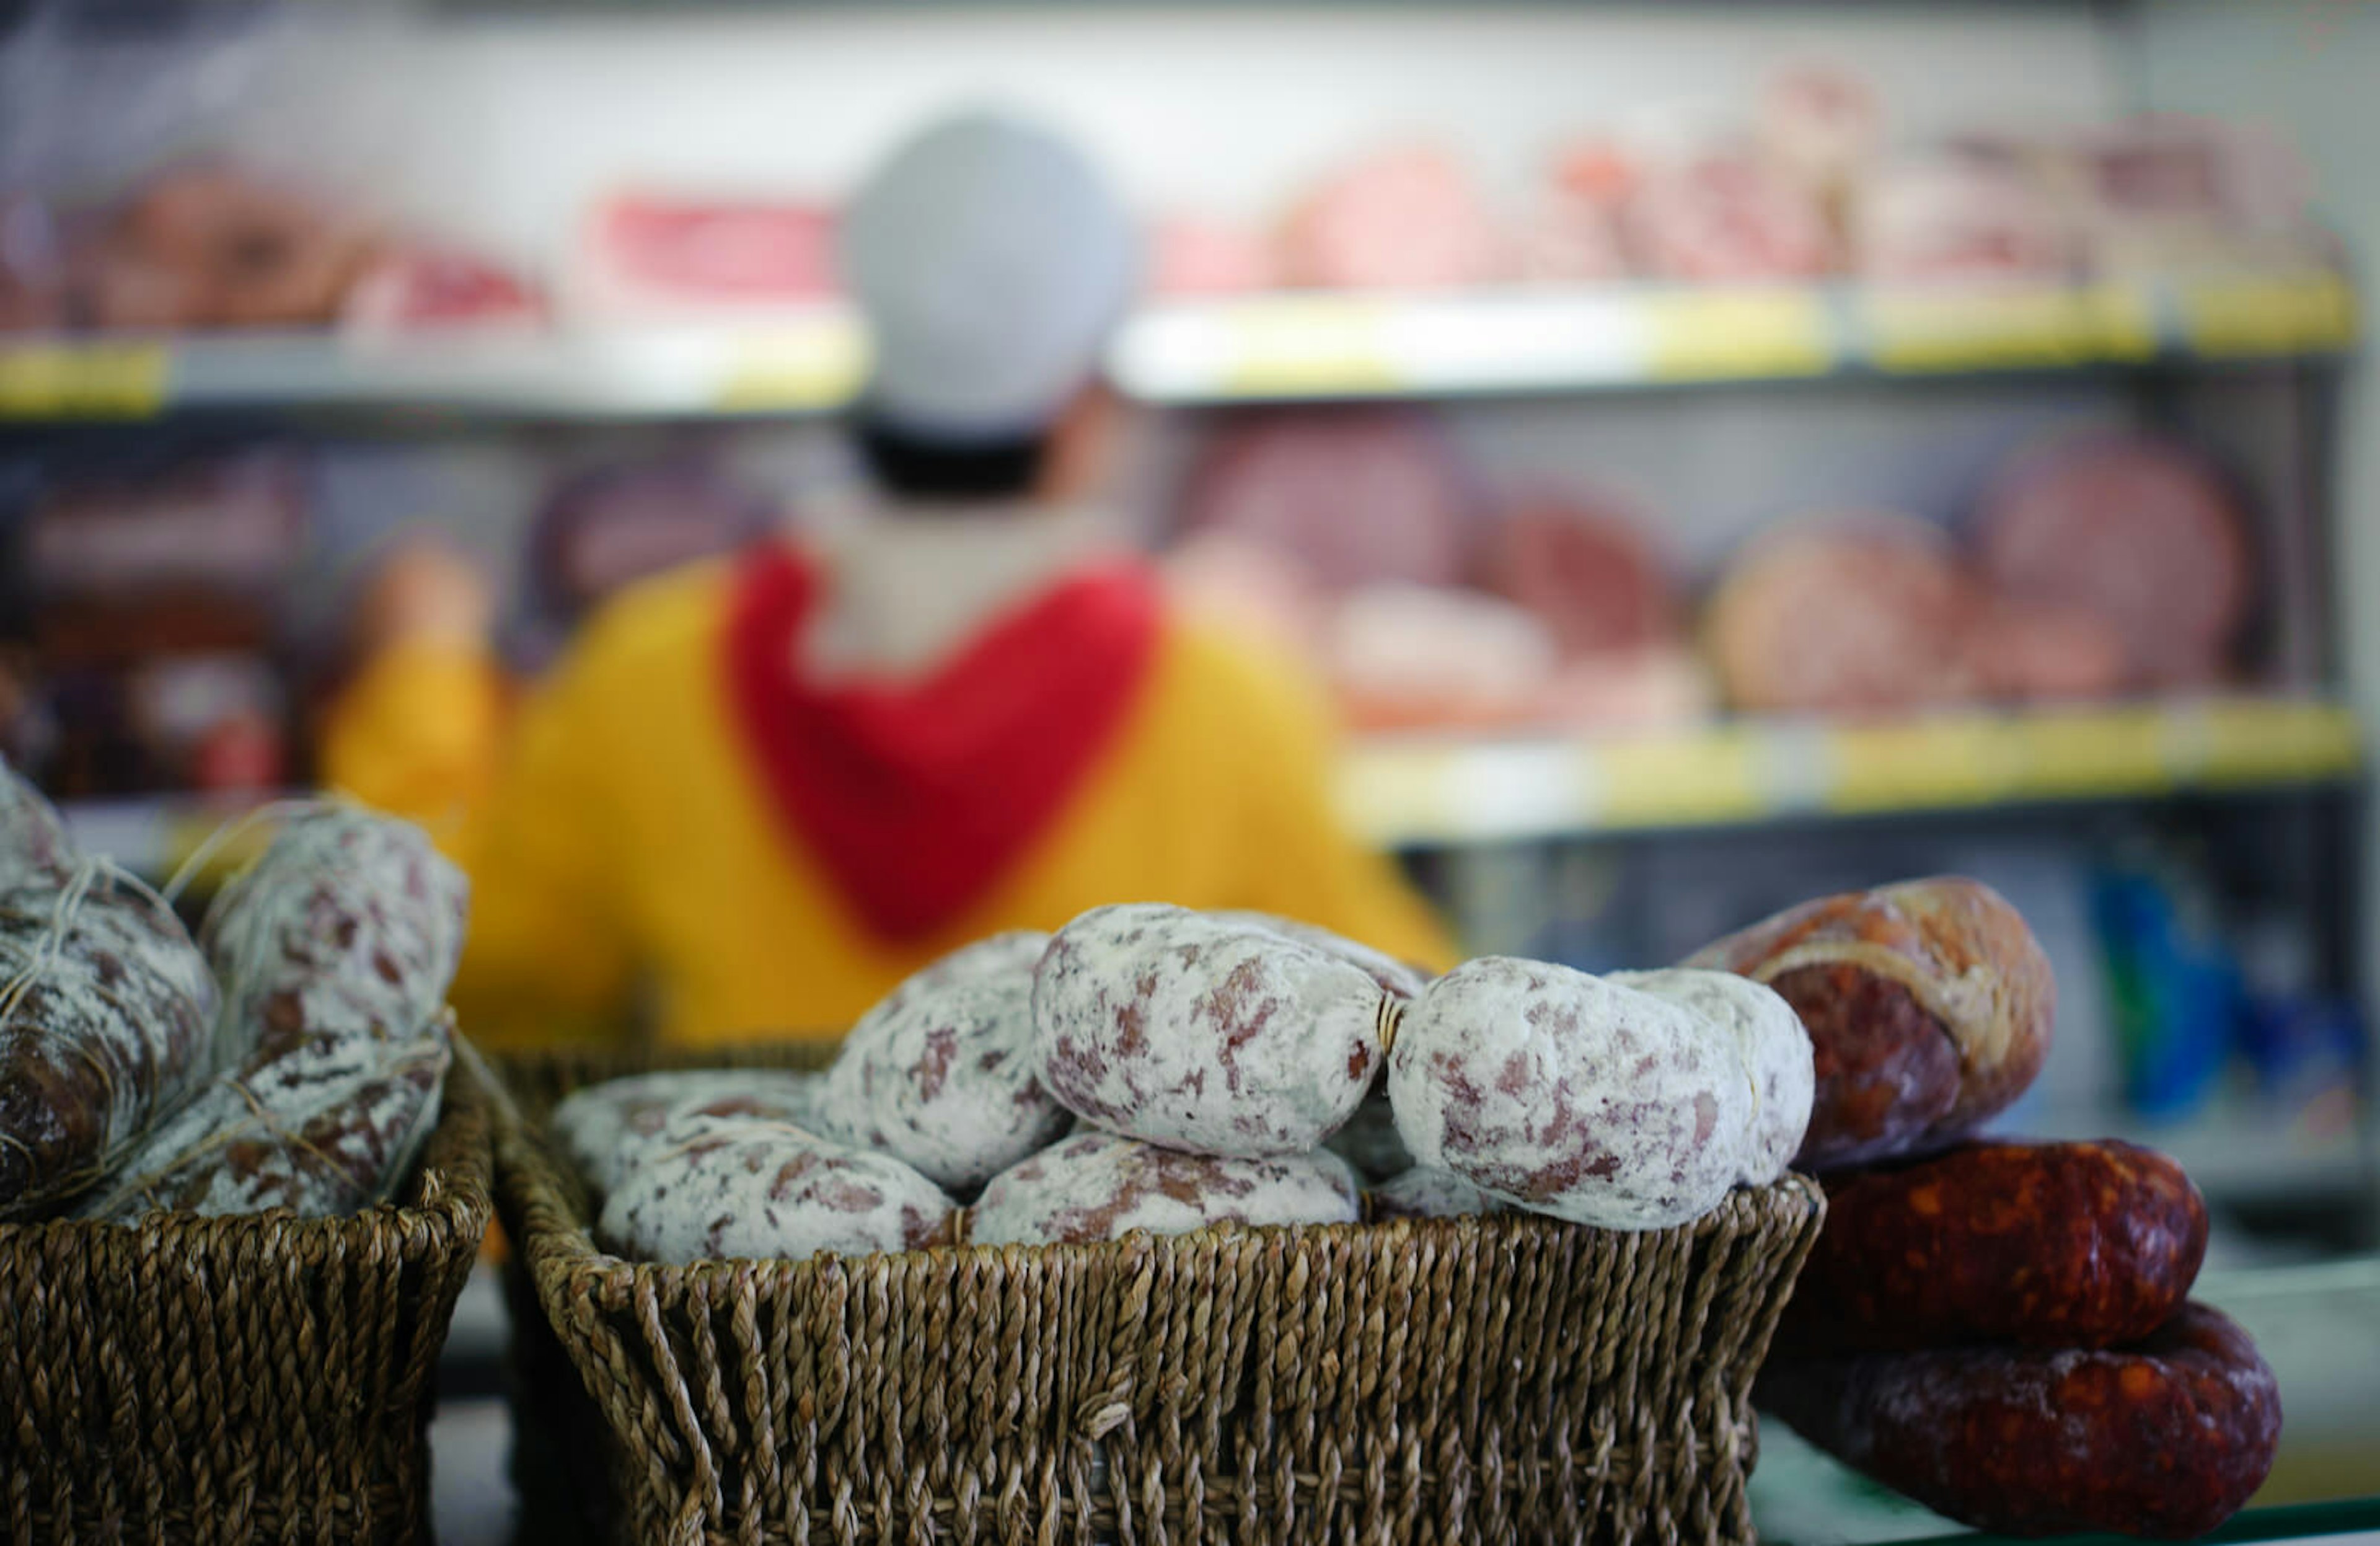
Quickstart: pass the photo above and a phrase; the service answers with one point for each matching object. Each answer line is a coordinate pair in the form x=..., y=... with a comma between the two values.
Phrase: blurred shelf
x=1282, y=347
x=1422, y=792
x=795, y=363
x=1274, y=347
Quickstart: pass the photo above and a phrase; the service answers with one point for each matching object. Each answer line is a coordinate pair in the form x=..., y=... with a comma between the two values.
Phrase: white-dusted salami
x=1400, y=978
x=1778, y=1056
x=1100, y=1186
x=939, y=1074
x=604, y=1128
x=324, y=1134
x=105, y=1011
x=1570, y=1095
x=1203, y=1033
x=335, y=950
x=730, y=1187
x=348, y=924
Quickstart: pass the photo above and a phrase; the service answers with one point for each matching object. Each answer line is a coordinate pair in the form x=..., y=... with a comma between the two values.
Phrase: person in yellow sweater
x=756, y=793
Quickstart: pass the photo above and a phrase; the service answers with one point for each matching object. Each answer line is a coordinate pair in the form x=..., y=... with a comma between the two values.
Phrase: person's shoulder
x=1241, y=668
x=666, y=617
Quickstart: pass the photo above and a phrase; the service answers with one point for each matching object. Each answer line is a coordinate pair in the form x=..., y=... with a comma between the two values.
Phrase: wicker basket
x=1473, y=1380
x=236, y=1379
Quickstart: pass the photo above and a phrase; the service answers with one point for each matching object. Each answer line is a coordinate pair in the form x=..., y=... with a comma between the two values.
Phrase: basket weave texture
x=259, y=1378
x=1505, y=1379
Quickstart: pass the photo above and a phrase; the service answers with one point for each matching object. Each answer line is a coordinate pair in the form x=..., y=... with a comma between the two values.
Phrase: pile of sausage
x=2094, y=565
x=2001, y=1331
x=1213, y=1069
x=292, y=1057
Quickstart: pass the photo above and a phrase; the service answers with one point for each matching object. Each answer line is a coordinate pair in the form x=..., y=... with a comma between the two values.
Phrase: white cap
x=991, y=262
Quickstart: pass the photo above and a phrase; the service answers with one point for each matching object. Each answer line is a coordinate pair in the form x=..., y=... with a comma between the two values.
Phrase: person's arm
x=519, y=799
x=1300, y=858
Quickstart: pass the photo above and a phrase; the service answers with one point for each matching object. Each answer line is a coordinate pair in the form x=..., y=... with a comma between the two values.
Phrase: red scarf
x=917, y=796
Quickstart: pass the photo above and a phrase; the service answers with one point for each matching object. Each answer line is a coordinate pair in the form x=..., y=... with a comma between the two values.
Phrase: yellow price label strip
x=2101, y=752
x=1307, y=344
x=2291, y=314
x=1725, y=335
x=1396, y=793
x=1946, y=761
x=1687, y=780
x=83, y=380
x=819, y=365
x=2006, y=329
x=2245, y=742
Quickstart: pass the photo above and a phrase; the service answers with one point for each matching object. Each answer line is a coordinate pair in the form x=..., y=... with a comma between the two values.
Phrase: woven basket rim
x=560, y=1243
x=449, y=1195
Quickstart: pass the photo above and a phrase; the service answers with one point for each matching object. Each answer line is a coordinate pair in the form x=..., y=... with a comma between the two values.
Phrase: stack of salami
x=1364, y=539
x=292, y=1058
x=2095, y=565
x=2002, y=1330
x=205, y=245
x=1219, y=1068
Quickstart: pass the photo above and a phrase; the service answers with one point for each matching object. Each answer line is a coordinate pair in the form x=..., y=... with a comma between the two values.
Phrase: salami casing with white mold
x=708, y=1187
x=940, y=1073
x=105, y=1019
x=604, y=1128
x=1570, y=1095
x=1775, y=1048
x=1099, y=1186
x=1206, y=1034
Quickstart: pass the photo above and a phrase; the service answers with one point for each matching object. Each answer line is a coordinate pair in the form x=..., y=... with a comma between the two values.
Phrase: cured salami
x=1407, y=217
x=334, y=951
x=1844, y=617
x=2136, y=532
x=1356, y=496
x=1589, y=576
x=105, y=1009
x=1929, y=1006
x=1101, y=1186
x=2051, y=1245
x=2166, y=1438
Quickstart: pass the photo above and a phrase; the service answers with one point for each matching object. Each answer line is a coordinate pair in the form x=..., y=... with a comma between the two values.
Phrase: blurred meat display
x=1726, y=215
x=154, y=599
x=1409, y=656
x=1820, y=122
x=1191, y=257
x=2167, y=193
x=206, y=246
x=1355, y=496
x=428, y=289
x=2141, y=533
x=2043, y=651
x=1959, y=217
x=655, y=256
x=1589, y=574
x=209, y=245
x=1841, y=615
x=1406, y=217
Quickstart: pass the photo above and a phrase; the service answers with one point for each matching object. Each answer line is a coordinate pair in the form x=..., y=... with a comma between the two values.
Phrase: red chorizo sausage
x=2166, y=1439
x=2050, y=1244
